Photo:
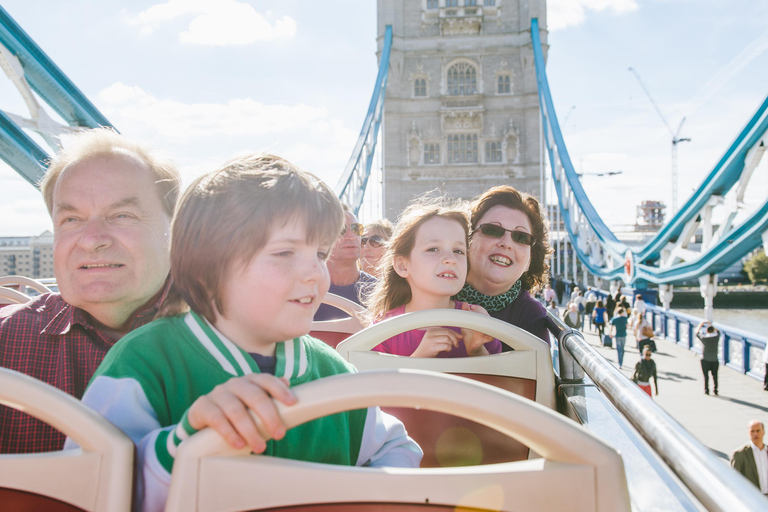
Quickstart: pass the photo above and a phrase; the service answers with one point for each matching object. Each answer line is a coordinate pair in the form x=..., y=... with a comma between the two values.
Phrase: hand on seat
x=225, y=409
x=475, y=341
x=436, y=340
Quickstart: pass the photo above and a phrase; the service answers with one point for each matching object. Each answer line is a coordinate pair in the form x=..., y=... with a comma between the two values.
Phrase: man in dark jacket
x=751, y=460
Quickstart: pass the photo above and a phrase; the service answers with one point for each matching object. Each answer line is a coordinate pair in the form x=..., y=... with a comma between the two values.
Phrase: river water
x=752, y=320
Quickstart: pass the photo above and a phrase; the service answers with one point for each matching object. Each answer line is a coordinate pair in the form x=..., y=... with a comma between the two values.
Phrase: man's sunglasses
x=355, y=227
x=374, y=240
x=496, y=231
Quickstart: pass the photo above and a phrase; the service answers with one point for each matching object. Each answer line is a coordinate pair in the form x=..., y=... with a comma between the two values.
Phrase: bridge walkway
x=719, y=422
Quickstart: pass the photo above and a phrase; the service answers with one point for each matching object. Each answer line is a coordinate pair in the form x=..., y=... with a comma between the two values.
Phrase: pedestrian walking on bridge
x=645, y=369
x=710, y=338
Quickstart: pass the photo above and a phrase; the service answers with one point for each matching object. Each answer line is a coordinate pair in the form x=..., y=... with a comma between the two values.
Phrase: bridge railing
x=714, y=484
x=739, y=349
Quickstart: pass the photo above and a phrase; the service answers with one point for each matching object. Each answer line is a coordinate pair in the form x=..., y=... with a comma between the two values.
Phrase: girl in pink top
x=426, y=263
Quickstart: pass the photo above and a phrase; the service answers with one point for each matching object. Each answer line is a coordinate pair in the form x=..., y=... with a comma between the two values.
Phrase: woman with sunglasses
x=508, y=258
x=374, y=240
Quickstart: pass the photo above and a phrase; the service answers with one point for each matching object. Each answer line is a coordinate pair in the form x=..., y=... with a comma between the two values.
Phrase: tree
x=756, y=266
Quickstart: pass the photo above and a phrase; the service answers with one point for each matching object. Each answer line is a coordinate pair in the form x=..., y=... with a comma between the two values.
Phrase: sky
x=203, y=80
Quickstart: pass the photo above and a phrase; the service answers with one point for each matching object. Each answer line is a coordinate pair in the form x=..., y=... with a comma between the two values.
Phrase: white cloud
x=180, y=121
x=567, y=13
x=200, y=136
x=216, y=22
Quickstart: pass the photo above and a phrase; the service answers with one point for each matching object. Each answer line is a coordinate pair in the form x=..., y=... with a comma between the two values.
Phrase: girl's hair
x=504, y=195
x=599, y=304
x=392, y=291
x=227, y=216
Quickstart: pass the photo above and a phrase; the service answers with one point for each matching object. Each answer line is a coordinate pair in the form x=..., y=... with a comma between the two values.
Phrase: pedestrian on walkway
x=751, y=460
x=549, y=294
x=591, y=299
x=610, y=306
x=765, y=362
x=710, y=338
x=599, y=317
x=571, y=317
x=559, y=290
x=645, y=369
x=643, y=333
x=619, y=328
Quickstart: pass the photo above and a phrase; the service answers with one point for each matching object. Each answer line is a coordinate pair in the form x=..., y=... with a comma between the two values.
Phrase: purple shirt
x=356, y=292
x=526, y=313
x=406, y=343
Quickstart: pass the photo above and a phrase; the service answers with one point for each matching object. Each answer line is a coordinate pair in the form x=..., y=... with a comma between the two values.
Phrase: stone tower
x=461, y=111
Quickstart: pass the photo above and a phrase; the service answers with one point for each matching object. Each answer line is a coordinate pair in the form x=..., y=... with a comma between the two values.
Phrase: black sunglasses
x=496, y=231
x=374, y=240
x=355, y=227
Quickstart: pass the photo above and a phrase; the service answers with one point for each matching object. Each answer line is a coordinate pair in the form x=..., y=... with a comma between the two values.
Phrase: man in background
x=710, y=338
x=751, y=460
x=347, y=280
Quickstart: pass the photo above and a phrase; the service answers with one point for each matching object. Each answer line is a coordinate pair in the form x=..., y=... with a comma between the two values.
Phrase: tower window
x=489, y=3
x=420, y=87
x=468, y=3
x=493, y=151
x=451, y=3
x=462, y=79
x=462, y=148
x=431, y=153
x=504, y=84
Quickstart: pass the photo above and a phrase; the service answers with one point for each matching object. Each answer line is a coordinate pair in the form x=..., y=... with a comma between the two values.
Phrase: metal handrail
x=714, y=484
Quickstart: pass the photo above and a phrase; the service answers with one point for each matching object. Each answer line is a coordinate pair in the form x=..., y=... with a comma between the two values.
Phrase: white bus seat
x=530, y=361
x=333, y=332
x=22, y=281
x=578, y=471
x=11, y=296
x=96, y=477
x=526, y=371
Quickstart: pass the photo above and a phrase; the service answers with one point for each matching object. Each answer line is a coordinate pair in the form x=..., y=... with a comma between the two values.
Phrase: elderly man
x=346, y=279
x=111, y=202
x=751, y=460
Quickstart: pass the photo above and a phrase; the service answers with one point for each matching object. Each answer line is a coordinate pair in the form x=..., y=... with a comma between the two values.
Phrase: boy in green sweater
x=248, y=253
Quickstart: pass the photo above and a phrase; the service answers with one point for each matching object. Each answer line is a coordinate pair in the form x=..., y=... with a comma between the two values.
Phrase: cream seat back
x=578, y=471
x=96, y=477
x=530, y=363
x=333, y=332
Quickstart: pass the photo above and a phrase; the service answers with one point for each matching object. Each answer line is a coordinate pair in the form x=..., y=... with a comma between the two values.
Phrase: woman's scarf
x=491, y=303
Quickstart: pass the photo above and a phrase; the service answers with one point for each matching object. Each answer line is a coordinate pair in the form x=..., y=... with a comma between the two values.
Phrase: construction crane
x=675, y=139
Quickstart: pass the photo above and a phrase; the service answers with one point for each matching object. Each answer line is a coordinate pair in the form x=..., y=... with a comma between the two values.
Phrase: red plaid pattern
x=56, y=343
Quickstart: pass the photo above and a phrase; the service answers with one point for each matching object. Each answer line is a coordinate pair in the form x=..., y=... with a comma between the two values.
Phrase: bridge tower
x=461, y=111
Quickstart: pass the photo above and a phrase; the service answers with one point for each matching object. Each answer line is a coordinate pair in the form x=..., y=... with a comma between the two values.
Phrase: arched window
x=462, y=79
x=504, y=84
x=490, y=3
x=431, y=4
x=451, y=3
x=468, y=3
x=420, y=87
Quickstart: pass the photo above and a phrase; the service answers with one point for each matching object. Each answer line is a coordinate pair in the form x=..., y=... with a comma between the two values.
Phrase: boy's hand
x=475, y=341
x=225, y=409
x=436, y=340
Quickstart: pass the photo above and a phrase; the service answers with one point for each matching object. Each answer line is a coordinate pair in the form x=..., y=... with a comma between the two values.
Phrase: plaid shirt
x=56, y=343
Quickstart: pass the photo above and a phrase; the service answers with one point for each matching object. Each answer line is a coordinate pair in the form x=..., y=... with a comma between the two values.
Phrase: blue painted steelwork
x=17, y=148
x=739, y=241
x=46, y=79
x=352, y=184
x=20, y=151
